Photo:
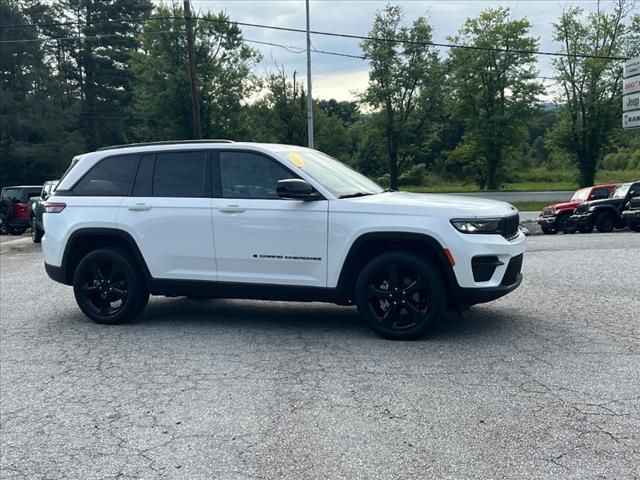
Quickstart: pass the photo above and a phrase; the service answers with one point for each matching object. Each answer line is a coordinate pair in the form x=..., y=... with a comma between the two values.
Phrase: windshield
x=621, y=191
x=580, y=195
x=332, y=174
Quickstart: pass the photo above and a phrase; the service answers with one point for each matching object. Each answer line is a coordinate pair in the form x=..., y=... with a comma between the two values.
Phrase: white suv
x=264, y=221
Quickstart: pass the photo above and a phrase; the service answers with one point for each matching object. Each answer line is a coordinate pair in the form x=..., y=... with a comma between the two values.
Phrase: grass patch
x=530, y=206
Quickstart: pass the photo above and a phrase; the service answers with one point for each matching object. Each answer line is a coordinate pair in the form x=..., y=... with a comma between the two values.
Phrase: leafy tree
x=494, y=86
x=347, y=112
x=402, y=68
x=102, y=65
x=591, y=87
x=37, y=136
x=162, y=92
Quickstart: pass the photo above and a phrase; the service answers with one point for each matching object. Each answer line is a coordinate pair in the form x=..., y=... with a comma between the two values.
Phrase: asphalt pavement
x=544, y=383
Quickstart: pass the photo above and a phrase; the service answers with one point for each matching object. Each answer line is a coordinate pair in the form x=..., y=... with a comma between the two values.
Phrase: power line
x=331, y=34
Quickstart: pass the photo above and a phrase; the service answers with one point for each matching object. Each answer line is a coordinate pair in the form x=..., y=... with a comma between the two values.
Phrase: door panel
x=280, y=242
x=175, y=235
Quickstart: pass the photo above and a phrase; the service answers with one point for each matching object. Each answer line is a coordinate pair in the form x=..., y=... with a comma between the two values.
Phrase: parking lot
x=544, y=383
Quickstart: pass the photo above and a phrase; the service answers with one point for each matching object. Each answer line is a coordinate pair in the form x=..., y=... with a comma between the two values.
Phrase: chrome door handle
x=232, y=209
x=139, y=207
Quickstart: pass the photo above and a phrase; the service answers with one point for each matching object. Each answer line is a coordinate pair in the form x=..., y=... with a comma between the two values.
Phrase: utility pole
x=195, y=101
x=309, y=96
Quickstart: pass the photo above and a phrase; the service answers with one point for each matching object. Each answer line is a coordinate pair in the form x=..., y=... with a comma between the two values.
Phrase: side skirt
x=252, y=291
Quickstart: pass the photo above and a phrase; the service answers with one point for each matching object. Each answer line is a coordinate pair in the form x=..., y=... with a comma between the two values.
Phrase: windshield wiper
x=356, y=194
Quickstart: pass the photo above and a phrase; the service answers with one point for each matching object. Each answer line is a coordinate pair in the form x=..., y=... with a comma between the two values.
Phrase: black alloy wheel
x=400, y=295
x=107, y=287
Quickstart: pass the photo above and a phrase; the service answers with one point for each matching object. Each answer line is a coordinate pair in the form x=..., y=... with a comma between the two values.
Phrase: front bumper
x=57, y=274
x=632, y=217
x=473, y=296
x=581, y=220
x=547, y=221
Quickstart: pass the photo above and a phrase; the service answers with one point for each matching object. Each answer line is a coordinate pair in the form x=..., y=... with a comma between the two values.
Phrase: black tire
x=605, y=222
x=108, y=286
x=635, y=227
x=16, y=230
x=562, y=223
x=36, y=233
x=400, y=295
x=586, y=229
x=548, y=231
x=7, y=209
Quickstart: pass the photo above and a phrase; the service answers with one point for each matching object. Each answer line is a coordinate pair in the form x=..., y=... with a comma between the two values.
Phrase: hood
x=605, y=201
x=437, y=204
x=563, y=206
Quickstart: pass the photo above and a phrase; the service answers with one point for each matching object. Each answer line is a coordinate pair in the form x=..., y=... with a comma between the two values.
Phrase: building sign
x=631, y=94
x=631, y=119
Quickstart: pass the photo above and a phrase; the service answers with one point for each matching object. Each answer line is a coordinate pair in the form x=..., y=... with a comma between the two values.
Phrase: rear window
x=112, y=176
x=180, y=174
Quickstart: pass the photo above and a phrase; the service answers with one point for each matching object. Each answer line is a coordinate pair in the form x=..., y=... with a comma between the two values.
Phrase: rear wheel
x=400, y=295
x=605, y=222
x=108, y=287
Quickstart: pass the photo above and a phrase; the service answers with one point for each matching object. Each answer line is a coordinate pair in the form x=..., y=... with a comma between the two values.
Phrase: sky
x=342, y=78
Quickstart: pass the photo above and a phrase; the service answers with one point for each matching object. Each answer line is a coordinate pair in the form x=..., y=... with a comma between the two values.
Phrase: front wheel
x=36, y=233
x=605, y=222
x=108, y=287
x=400, y=295
x=548, y=231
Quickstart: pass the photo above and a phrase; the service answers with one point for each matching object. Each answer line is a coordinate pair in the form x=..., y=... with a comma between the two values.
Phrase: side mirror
x=296, y=189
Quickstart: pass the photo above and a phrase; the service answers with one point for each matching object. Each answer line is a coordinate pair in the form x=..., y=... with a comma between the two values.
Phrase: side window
x=112, y=176
x=249, y=175
x=180, y=174
x=599, y=193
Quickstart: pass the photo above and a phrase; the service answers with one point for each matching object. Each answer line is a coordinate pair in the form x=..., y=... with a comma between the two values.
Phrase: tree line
x=81, y=74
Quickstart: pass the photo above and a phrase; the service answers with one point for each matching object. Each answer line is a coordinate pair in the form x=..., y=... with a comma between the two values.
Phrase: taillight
x=52, y=207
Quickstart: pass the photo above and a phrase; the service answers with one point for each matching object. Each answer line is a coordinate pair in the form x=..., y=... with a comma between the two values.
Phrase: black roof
x=168, y=142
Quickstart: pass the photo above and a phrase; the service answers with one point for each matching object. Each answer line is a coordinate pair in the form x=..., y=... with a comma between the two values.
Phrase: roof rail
x=168, y=142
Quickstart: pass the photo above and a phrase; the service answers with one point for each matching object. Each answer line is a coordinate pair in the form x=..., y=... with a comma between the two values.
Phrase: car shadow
x=309, y=318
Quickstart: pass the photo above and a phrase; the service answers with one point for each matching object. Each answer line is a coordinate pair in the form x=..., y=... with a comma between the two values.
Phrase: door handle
x=139, y=207
x=232, y=209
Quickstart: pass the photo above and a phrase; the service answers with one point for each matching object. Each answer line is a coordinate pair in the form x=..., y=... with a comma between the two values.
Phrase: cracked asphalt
x=544, y=383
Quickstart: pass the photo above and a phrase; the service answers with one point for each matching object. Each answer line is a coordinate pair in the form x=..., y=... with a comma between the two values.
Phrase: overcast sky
x=337, y=77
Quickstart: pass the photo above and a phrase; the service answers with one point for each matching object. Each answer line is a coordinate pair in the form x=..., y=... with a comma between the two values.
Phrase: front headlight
x=482, y=225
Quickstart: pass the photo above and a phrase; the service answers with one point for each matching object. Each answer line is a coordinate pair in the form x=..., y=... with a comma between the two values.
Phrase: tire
x=414, y=287
x=605, y=222
x=548, y=231
x=562, y=223
x=635, y=227
x=16, y=230
x=587, y=229
x=36, y=233
x=94, y=286
x=7, y=209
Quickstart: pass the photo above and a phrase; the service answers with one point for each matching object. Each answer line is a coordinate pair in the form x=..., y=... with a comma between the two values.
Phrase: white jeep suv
x=263, y=221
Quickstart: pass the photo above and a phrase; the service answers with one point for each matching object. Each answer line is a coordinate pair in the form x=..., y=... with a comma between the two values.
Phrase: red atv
x=554, y=217
x=14, y=208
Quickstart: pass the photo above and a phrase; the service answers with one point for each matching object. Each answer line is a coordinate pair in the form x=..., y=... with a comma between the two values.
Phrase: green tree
x=162, y=92
x=403, y=68
x=591, y=87
x=102, y=58
x=493, y=84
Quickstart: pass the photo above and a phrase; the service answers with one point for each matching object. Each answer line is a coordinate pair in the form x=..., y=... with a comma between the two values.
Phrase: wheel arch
x=370, y=245
x=84, y=240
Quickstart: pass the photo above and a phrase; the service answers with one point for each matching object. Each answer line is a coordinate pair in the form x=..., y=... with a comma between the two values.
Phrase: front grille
x=512, y=273
x=510, y=227
x=547, y=211
x=484, y=267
